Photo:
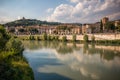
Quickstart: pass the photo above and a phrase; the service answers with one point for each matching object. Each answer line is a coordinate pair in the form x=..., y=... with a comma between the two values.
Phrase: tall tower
x=104, y=21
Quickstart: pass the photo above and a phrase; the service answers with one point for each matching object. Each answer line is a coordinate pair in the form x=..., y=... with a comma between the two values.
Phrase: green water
x=70, y=61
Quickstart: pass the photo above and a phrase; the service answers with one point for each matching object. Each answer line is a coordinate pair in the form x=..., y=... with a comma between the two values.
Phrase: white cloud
x=114, y=16
x=74, y=1
x=5, y=19
x=84, y=10
x=49, y=10
x=18, y=17
x=63, y=11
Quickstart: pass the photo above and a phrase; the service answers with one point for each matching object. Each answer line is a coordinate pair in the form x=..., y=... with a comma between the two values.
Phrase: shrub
x=44, y=36
x=14, y=45
x=52, y=37
x=64, y=38
x=48, y=37
x=85, y=38
x=31, y=37
x=37, y=38
x=74, y=38
x=93, y=38
x=56, y=37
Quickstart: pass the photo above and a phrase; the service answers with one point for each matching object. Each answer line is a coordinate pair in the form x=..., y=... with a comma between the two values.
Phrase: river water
x=71, y=61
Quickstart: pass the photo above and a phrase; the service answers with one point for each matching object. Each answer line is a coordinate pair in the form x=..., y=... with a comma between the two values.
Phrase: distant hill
x=29, y=22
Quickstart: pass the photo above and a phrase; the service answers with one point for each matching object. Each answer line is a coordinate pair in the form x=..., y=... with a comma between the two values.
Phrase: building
x=86, y=29
x=117, y=23
x=95, y=27
x=104, y=21
x=68, y=29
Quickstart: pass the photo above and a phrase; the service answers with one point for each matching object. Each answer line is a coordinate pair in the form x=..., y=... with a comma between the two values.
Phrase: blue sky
x=83, y=11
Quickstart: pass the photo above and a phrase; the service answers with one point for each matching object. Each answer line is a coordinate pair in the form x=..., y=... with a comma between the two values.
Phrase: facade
x=32, y=30
x=95, y=27
x=86, y=29
x=117, y=23
x=104, y=21
x=63, y=29
x=91, y=28
x=69, y=29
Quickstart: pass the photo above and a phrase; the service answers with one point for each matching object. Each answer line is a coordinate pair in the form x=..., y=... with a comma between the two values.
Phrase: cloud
x=85, y=10
x=49, y=10
x=62, y=12
x=74, y=1
x=114, y=16
x=18, y=17
x=5, y=19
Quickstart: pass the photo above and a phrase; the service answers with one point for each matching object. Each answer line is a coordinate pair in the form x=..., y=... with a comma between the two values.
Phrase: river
x=72, y=61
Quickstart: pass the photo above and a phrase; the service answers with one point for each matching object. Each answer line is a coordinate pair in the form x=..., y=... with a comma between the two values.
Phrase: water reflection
x=71, y=61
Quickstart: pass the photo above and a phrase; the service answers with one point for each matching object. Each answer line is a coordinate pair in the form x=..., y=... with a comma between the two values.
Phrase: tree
x=110, y=26
x=74, y=37
x=44, y=36
x=4, y=37
x=101, y=26
x=14, y=45
x=31, y=37
x=93, y=38
x=118, y=28
x=85, y=38
x=64, y=38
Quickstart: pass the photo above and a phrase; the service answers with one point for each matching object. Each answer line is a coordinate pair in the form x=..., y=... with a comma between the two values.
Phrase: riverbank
x=13, y=66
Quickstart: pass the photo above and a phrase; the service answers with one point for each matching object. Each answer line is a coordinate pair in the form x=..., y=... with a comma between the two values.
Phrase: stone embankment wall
x=80, y=37
x=97, y=36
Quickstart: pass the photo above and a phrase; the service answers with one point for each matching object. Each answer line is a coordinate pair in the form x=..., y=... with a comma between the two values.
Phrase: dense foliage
x=64, y=38
x=110, y=26
x=13, y=65
x=4, y=37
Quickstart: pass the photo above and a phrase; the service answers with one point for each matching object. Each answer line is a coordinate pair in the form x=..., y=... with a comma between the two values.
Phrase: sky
x=66, y=11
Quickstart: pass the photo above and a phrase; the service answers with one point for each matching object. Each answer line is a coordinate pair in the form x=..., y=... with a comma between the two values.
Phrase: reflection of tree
x=63, y=49
x=92, y=50
x=74, y=46
x=31, y=44
x=108, y=55
x=54, y=44
x=104, y=54
x=85, y=47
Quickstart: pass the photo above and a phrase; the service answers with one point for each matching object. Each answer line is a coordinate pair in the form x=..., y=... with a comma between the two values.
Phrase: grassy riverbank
x=13, y=66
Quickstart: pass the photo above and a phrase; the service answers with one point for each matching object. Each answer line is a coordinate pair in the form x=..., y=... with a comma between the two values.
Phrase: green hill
x=29, y=22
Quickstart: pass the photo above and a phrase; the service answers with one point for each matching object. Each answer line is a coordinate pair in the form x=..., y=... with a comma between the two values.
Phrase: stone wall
x=80, y=37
